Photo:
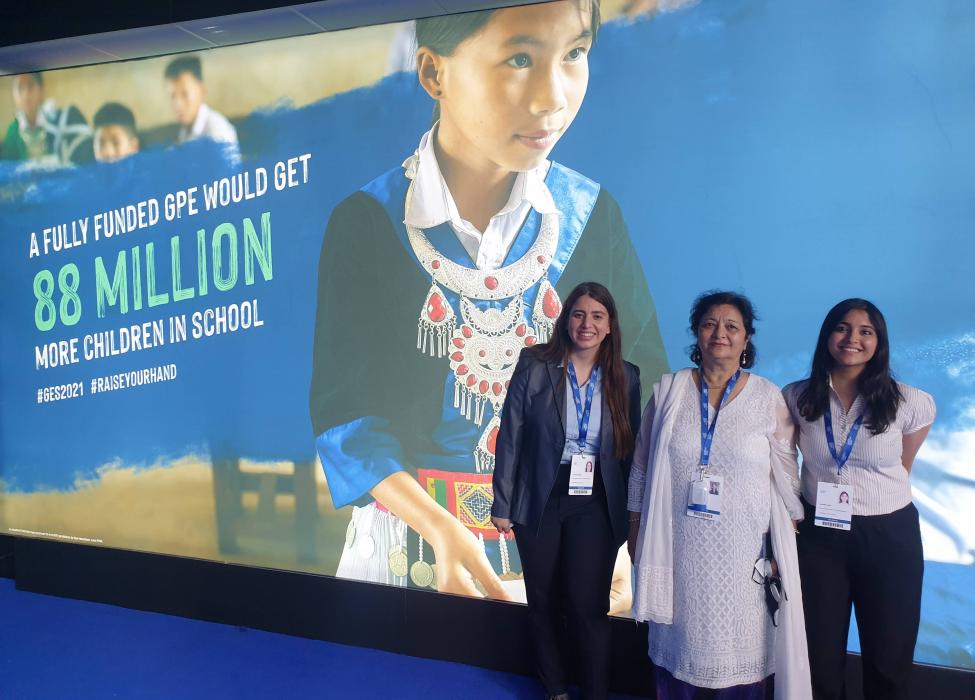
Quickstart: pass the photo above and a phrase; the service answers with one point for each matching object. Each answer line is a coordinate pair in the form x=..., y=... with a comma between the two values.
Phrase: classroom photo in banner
x=237, y=323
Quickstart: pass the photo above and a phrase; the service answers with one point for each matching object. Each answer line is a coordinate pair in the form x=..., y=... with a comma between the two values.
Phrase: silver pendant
x=422, y=574
x=365, y=546
x=398, y=561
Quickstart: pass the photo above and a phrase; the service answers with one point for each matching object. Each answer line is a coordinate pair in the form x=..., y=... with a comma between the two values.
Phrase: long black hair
x=444, y=33
x=876, y=383
x=610, y=360
x=707, y=301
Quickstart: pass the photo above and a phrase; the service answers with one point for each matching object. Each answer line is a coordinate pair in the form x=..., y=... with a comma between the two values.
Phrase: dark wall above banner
x=36, y=37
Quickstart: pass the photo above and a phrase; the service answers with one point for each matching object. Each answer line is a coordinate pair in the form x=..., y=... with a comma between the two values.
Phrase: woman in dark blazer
x=563, y=460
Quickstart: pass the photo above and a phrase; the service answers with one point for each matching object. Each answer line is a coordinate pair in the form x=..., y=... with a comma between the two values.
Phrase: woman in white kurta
x=701, y=502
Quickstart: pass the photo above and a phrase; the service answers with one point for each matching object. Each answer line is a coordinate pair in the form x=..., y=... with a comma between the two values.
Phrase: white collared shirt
x=209, y=124
x=45, y=113
x=432, y=205
x=875, y=468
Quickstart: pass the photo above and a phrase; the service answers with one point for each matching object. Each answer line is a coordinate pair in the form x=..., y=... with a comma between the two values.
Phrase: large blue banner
x=158, y=313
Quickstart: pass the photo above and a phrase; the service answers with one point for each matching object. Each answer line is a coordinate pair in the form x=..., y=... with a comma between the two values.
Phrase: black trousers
x=877, y=568
x=568, y=567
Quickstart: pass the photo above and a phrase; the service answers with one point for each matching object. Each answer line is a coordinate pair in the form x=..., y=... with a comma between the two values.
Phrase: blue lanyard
x=707, y=432
x=840, y=458
x=582, y=413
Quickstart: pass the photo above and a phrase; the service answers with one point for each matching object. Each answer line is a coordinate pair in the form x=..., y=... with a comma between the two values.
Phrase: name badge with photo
x=834, y=505
x=704, y=498
x=581, y=475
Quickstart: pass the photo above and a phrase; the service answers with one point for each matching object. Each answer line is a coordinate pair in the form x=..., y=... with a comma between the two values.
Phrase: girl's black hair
x=443, y=34
x=707, y=301
x=876, y=383
x=610, y=359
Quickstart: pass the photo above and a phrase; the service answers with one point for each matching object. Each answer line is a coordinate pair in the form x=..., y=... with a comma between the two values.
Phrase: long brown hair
x=610, y=361
x=876, y=383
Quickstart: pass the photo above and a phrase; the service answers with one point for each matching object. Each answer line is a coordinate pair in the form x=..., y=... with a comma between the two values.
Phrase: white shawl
x=654, y=563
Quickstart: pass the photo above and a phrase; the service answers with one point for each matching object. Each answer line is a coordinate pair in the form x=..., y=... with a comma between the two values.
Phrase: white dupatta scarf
x=653, y=599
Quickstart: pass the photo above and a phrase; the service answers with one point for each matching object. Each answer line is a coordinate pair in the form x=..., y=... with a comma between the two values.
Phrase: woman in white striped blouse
x=860, y=543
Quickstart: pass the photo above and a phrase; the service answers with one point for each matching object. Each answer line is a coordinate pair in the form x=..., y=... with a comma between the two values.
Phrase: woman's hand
x=621, y=590
x=502, y=525
x=634, y=533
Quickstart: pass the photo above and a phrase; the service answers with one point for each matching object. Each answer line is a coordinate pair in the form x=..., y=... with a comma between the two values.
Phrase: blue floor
x=58, y=649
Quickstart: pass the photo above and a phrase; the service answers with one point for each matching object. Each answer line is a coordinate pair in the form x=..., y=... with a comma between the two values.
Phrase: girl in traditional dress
x=436, y=274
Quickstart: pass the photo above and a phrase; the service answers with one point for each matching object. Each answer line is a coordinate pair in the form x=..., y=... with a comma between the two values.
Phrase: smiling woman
x=859, y=432
x=560, y=481
x=713, y=498
x=475, y=237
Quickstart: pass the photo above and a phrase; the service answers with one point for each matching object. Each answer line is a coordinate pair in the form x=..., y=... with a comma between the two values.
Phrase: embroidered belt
x=467, y=496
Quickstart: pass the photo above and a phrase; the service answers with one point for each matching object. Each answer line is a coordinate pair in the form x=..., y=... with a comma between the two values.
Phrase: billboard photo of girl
x=435, y=275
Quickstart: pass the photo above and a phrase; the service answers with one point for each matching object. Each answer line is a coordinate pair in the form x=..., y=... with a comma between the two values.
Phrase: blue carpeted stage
x=55, y=648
